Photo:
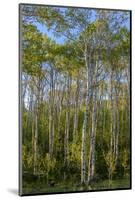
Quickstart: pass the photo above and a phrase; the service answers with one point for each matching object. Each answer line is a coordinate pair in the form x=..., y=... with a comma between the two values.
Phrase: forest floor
x=37, y=188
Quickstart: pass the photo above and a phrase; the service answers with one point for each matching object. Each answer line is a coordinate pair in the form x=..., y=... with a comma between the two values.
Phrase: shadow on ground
x=13, y=191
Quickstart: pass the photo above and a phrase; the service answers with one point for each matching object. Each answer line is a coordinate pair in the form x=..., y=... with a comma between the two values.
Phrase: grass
x=38, y=187
x=114, y=184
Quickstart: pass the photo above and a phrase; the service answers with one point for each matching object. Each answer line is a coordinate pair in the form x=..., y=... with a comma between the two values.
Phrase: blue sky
x=43, y=29
x=60, y=40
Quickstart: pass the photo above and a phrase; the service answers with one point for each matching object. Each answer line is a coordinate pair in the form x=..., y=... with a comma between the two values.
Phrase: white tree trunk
x=76, y=111
x=51, y=113
x=36, y=127
x=83, y=148
x=91, y=166
x=67, y=121
x=118, y=129
x=35, y=144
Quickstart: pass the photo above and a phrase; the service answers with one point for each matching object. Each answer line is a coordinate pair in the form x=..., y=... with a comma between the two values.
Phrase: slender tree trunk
x=91, y=166
x=67, y=121
x=128, y=101
x=35, y=143
x=83, y=151
x=112, y=129
x=24, y=88
x=33, y=132
x=118, y=129
x=93, y=105
x=83, y=148
x=51, y=113
x=37, y=92
x=113, y=120
x=59, y=119
x=76, y=111
x=60, y=103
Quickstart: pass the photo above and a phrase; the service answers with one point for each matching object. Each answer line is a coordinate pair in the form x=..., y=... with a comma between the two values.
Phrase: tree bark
x=85, y=121
x=76, y=110
x=51, y=113
x=118, y=129
x=91, y=166
x=67, y=121
x=37, y=93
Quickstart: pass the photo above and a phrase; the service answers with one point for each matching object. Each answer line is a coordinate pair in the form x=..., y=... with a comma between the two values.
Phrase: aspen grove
x=75, y=98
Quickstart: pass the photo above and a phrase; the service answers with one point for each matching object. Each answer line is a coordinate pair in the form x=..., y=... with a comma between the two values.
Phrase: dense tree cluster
x=75, y=96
